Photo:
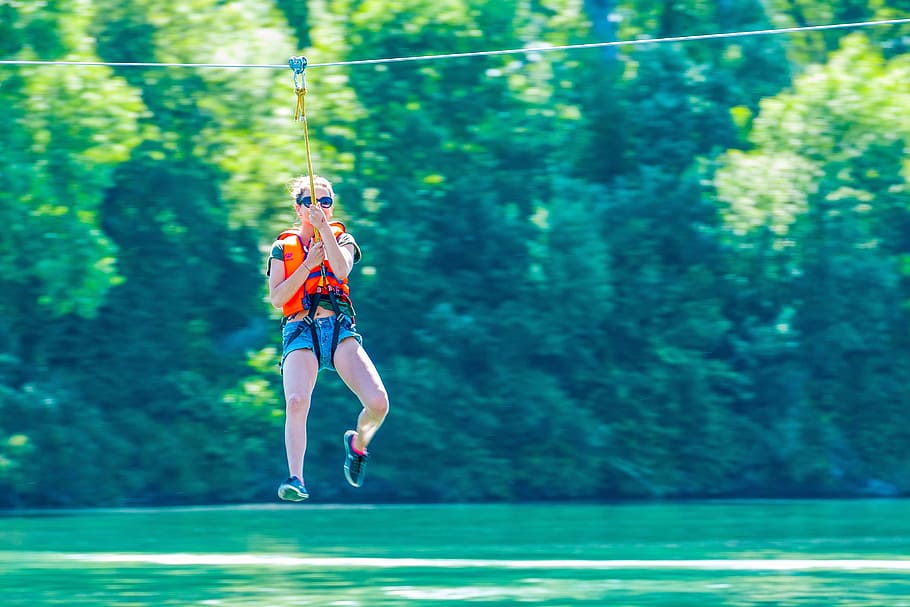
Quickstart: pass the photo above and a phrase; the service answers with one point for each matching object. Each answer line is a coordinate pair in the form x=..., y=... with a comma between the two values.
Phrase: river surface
x=700, y=554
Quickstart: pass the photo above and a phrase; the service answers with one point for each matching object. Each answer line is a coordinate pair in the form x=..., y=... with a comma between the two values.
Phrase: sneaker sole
x=347, y=476
x=292, y=495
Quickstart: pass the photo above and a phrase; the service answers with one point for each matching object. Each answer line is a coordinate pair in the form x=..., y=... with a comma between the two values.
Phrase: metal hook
x=298, y=64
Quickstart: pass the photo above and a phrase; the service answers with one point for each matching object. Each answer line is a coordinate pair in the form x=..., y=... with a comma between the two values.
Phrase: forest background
x=650, y=271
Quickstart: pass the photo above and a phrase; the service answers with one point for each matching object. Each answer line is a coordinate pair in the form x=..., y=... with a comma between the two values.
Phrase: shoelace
x=357, y=462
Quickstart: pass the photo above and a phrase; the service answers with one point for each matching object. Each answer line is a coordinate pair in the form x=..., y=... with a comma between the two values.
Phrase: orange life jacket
x=295, y=252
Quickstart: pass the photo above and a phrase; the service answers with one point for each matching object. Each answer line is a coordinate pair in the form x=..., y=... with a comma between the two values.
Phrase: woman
x=308, y=280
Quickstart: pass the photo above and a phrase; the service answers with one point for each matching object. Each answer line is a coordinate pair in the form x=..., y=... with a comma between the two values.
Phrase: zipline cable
x=538, y=49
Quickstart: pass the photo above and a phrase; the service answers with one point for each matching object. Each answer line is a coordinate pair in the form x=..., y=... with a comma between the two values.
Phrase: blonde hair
x=301, y=185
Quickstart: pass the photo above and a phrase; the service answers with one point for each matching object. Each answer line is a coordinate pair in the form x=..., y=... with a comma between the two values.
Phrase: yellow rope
x=300, y=116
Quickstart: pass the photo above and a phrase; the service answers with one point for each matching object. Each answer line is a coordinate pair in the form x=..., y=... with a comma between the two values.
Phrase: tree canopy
x=665, y=270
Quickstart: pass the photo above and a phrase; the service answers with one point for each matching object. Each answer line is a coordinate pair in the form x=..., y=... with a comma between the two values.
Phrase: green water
x=824, y=553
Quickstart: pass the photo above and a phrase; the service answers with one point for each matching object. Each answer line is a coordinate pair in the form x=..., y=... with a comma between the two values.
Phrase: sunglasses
x=325, y=202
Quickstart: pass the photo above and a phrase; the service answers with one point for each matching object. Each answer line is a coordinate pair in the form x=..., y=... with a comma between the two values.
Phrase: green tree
x=824, y=238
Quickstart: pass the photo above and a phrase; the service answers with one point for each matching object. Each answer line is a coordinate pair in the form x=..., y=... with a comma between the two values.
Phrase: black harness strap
x=339, y=318
x=310, y=320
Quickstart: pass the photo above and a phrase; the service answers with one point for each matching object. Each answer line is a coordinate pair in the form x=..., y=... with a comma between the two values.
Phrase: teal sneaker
x=355, y=465
x=293, y=490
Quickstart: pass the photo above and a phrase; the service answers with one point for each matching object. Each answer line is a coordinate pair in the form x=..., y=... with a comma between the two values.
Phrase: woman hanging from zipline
x=308, y=281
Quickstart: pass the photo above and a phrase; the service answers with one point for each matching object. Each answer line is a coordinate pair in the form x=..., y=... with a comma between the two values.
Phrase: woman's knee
x=297, y=402
x=377, y=403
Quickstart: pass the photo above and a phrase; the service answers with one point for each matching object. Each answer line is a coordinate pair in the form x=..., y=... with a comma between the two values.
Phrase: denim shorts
x=298, y=336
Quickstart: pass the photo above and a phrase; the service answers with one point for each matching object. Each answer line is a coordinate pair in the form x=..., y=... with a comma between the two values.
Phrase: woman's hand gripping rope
x=315, y=256
x=319, y=221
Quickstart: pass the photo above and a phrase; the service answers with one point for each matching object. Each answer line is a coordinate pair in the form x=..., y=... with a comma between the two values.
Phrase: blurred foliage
x=668, y=270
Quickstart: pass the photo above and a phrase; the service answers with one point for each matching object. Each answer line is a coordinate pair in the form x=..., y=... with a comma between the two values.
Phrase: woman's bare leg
x=300, y=370
x=357, y=370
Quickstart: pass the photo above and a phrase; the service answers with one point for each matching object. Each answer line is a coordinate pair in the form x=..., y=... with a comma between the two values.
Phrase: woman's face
x=322, y=194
